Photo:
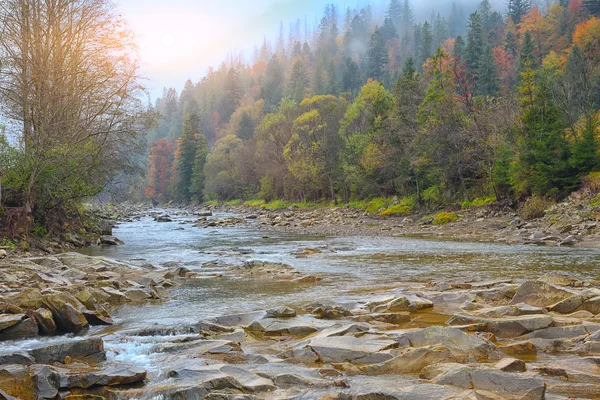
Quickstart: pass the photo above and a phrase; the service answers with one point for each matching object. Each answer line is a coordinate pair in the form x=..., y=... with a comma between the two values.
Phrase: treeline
x=439, y=111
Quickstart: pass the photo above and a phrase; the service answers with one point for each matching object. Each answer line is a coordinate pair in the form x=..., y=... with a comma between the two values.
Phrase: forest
x=493, y=103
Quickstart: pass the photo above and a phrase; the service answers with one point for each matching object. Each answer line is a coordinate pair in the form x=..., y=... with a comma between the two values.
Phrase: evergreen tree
x=185, y=155
x=298, y=82
x=474, y=47
x=331, y=83
x=441, y=31
x=487, y=80
x=350, y=76
x=388, y=30
x=592, y=6
x=517, y=9
x=272, y=86
x=426, y=43
x=318, y=80
x=232, y=94
x=246, y=129
x=394, y=13
x=526, y=57
x=197, y=181
x=407, y=19
x=377, y=55
x=459, y=47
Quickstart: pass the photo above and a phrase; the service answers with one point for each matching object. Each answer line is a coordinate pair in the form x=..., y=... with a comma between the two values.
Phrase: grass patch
x=534, y=207
x=254, y=203
x=478, y=202
x=372, y=206
x=403, y=208
x=444, y=217
x=213, y=203
x=235, y=202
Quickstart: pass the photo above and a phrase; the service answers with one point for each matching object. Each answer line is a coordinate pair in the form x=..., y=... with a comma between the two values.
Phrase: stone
x=339, y=349
x=465, y=346
x=86, y=349
x=510, y=311
x=559, y=332
x=274, y=327
x=3, y=254
x=592, y=305
x=112, y=375
x=539, y=294
x=509, y=327
x=511, y=365
x=45, y=321
x=561, y=278
x=107, y=240
x=29, y=298
x=115, y=297
x=413, y=360
x=8, y=320
x=281, y=312
x=522, y=348
x=68, y=318
x=96, y=318
x=286, y=380
x=395, y=318
x=24, y=329
x=17, y=358
x=567, y=305
x=46, y=381
x=242, y=320
x=331, y=312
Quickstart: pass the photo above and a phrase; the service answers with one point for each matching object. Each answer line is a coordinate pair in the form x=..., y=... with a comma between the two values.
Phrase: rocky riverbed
x=191, y=313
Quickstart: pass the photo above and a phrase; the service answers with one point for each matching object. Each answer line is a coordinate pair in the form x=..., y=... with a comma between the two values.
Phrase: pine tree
x=272, y=86
x=394, y=13
x=474, y=47
x=377, y=55
x=426, y=43
x=459, y=47
x=388, y=30
x=592, y=6
x=487, y=80
x=299, y=81
x=197, y=181
x=183, y=166
x=517, y=9
x=331, y=83
x=232, y=94
x=407, y=19
x=441, y=31
x=318, y=80
x=246, y=129
x=350, y=76
x=526, y=56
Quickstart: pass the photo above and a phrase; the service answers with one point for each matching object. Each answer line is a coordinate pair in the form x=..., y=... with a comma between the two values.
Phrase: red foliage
x=465, y=84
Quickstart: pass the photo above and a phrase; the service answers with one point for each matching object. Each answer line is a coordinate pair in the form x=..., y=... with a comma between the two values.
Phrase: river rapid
x=351, y=267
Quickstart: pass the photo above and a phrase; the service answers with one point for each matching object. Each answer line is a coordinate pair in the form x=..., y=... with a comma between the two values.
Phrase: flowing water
x=350, y=266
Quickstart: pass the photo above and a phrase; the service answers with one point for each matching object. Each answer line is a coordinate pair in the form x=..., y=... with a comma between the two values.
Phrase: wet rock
x=29, y=298
x=211, y=327
x=197, y=346
x=97, y=318
x=510, y=311
x=351, y=349
x=331, y=312
x=511, y=365
x=413, y=360
x=163, y=218
x=91, y=349
x=242, y=320
x=6, y=396
x=46, y=381
x=8, y=320
x=45, y=321
x=281, y=312
x=567, y=305
x=24, y=329
x=508, y=327
x=539, y=294
x=221, y=377
x=65, y=310
x=559, y=332
x=112, y=375
x=249, y=381
x=17, y=358
x=395, y=318
x=506, y=384
x=286, y=380
x=592, y=305
x=561, y=278
x=521, y=348
x=106, y=240
x=273, y=327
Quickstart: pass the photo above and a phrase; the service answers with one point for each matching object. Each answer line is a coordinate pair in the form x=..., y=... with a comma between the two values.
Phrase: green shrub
x=211, y=203
x=403, y=208
x=444, y=217
x=254, y=203
x=534, y=207
x=478, y=202
x=236, y=202
x=39, y=230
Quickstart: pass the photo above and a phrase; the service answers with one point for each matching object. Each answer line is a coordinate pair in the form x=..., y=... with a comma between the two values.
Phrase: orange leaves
x=587, y=36
x=159, y=167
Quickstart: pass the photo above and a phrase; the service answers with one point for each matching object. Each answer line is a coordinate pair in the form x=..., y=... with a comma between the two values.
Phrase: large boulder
x=90, y=349
x=112, y=375
x=46, y=381
x=413, y=360
x=508, y=327
x=66, y=312
x=508, y=385
x=338, y=349
x=540, y=294
x=25, y=328
x=278, y=327
x=8, y=320
x=45, y=321
x=465, y=346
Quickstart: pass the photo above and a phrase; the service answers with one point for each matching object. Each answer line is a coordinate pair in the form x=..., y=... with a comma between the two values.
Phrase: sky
x=180, y=39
